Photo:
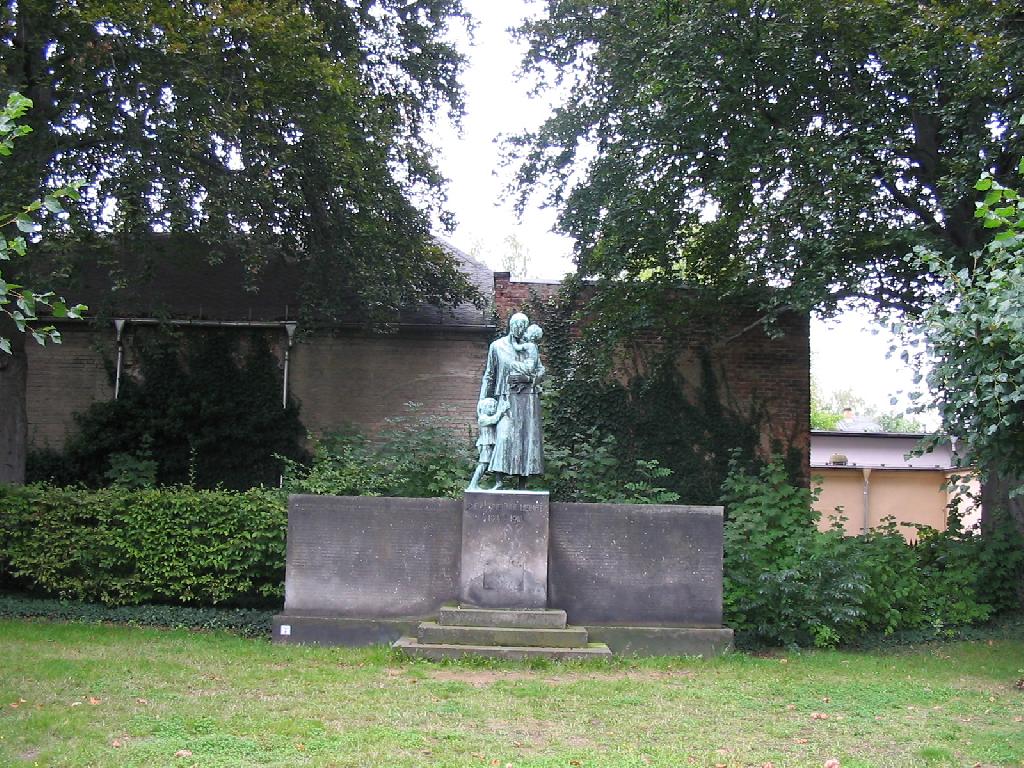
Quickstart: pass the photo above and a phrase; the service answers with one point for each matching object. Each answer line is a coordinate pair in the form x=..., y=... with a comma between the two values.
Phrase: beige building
x=869, y=476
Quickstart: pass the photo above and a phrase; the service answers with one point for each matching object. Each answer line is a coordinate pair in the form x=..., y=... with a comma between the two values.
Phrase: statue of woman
x=511, y=376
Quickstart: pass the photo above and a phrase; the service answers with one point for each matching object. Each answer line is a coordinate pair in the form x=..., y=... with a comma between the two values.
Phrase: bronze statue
x=512, y=379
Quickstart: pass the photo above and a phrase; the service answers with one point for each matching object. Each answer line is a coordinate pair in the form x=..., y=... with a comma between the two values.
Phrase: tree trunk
x=996, y=493
x=13, y=415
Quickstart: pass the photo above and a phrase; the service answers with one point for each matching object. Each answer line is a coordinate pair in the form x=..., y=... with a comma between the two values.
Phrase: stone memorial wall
x=642, y=578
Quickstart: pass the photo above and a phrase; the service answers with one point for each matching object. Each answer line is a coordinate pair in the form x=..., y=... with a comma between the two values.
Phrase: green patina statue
x=508, y=411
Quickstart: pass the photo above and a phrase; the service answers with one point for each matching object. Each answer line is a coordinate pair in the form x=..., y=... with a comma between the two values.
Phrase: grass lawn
x=94, y=695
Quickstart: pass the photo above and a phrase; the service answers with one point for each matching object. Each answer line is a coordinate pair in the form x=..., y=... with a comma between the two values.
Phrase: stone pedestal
x=504, y=549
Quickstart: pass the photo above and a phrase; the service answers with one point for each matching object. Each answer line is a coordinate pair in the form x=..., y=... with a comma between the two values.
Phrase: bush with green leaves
x=785, y=582
x=592, y=469
x=788, y=583
x=124, y=547
x=415, y=455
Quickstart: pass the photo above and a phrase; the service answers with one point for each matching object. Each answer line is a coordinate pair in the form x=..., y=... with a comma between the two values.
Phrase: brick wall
x=362, y=380
x=64, y=379
x=347, y=379
x=754, y=371
x=351, y=378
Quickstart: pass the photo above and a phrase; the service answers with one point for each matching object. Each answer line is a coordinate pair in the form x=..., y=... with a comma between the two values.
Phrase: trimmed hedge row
x=127, y=547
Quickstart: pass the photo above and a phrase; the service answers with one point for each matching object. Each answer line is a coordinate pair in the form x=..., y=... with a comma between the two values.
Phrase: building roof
x=185, y=284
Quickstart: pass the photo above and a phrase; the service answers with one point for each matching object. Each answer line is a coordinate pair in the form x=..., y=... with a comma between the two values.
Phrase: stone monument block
x=354, y=556
x=505, y=549
x=637, y=565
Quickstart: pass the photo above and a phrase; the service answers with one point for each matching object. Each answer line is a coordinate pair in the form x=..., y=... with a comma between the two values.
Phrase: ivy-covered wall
x=670, y=377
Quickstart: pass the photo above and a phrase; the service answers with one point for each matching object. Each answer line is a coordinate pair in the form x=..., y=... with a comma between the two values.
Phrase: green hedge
x=125, y=547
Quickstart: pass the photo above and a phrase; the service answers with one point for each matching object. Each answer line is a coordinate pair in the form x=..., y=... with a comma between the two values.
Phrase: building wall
x=346, y=379
x=64, y=379
x=756, y=374
x=880, y=449
x=910, y=496
x=361, y=380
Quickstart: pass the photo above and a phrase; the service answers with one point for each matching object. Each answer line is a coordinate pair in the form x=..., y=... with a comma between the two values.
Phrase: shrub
x=784, y=581
x=415, y=455
x=248, y=622
x=125, y=547
x=593, y=469
x=788, y=583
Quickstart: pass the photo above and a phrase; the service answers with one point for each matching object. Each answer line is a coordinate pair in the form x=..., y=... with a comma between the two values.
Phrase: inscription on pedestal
x=505, y=549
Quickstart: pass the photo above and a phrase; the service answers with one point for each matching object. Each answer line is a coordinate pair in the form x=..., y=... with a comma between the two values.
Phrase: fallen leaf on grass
x=819, y=716
x=721, y=765
x=183, y=753
x=141, y=701
x=301, y=747
x=76, y=703
x=801, y=741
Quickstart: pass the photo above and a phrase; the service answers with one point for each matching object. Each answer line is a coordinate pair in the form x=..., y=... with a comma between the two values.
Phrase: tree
x=293, y=130
x=804, y=147
x=974, y=334
x=827, y=412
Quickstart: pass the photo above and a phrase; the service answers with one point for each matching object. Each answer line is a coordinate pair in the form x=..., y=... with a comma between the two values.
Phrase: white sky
x=845, y=353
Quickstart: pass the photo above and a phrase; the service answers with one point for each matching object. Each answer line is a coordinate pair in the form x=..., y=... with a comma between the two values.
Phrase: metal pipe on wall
x=867, y=499
x=289, y=327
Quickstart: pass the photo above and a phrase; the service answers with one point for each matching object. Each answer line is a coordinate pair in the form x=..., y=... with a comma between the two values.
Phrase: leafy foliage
x=298, y=130
x=123, y=547
x=20, y=303
x=827, y=412
x=788, y=583
x=594, y=470
x=209, y=417
x=973, y=333
x=805, y=146
x=614, y=390
x=415, y=455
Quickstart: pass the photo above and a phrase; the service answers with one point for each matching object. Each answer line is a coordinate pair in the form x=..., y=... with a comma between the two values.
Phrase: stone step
x=441, y=651
x=527, y=618
x=434, y=633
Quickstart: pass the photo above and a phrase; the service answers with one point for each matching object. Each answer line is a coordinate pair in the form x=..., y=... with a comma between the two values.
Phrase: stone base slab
x=636, y=641
x=663, y=641
x=570, y=637
x=527, y=618
x=334, y=630
x=442, y=651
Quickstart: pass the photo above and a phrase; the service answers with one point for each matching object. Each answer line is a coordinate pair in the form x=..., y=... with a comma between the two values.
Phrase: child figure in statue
x=528, y=355
x=488, y=413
